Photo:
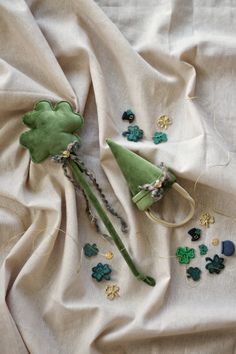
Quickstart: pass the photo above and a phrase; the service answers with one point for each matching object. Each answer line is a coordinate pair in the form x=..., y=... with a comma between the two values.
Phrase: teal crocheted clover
x=203, y=249
x=90, y=250
x=159, y=137
x=134, y=133
x=194, y=273
x=101, y=271
x=215, y=265
x=185, y=254
x=52, y=129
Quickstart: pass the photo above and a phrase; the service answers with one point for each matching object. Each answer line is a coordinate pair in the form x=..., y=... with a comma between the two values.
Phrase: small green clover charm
x=90, y=250
x=203, y=249
x=194, y=273
x=128, y=115
x=134, y=133
x=159, y=137
x=215, y=265
x=185, y=254
x=101, y=271
x=51, y=129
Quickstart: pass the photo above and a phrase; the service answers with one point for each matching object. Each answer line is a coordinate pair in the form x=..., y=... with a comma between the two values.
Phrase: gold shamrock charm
x=163, y=122
x=206, y=219
x=112, y=291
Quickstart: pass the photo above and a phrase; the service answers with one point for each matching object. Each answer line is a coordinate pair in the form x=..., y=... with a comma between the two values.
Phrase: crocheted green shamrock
x=203, y=249
x=215, y=265
x=101, y=271
x=90, y=250
x=194, y=273
x=134, y=133
x=185, y=254
x=51, y=129
x=159, y=137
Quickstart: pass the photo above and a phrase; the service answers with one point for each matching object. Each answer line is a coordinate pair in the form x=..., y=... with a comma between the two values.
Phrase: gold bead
x=215, y=242
x=109, y=255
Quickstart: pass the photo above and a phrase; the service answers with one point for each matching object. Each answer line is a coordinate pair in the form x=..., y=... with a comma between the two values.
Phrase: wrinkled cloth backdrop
x=156, y=57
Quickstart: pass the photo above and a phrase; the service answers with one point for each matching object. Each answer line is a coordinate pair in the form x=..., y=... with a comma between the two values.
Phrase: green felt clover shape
x=52, y=129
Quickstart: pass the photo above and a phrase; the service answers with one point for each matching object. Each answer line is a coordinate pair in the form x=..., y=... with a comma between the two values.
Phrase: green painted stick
x=78, y=174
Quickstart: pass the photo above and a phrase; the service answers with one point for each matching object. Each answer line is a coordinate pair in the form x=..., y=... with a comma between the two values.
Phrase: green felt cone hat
x=137, y=172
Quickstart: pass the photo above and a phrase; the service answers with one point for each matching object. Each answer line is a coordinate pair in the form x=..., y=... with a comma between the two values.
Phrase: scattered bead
x=90, y=250
x=134, y=133
x=195, y=234
x=101, y=271
x=194, y=273
x=163, y=122
x=215, y=242
x=215, y=265
x=206, y=219
x=159, y=137
x=128, y=115
x=185, y=254
x=109, y=255
x=227, y=248
x=203, y=249
x=112, y=291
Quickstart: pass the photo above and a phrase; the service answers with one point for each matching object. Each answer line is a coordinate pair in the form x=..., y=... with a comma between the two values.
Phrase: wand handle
x=106, y=221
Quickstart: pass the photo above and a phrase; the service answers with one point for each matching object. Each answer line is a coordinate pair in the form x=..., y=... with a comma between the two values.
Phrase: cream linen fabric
x=157, y=57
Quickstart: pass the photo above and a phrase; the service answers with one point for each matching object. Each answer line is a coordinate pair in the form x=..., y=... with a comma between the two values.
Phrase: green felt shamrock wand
x=52, y=134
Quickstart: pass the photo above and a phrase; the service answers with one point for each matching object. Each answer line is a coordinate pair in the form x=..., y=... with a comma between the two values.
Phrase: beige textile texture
x=175, y=57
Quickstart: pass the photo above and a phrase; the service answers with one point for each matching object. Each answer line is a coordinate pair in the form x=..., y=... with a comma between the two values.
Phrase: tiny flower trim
x=194, y=273
x=159, y=137
x=90, y=250
x=134, y=133
x=101, y=271
x=112, y=291
x=185, y=254
x=215, y=265
x=203, y=249
x=164, y=122
x=206, y=219
x=128, y=115
x=157, y=188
